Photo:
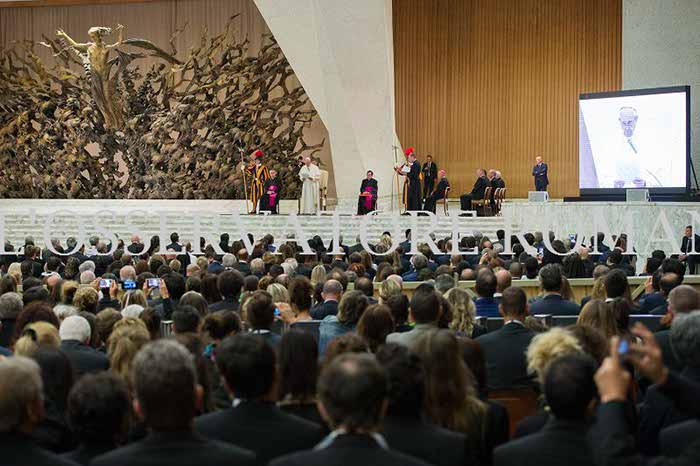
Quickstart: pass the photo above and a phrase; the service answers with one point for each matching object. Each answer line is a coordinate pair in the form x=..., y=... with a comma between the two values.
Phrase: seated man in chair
x=438, y=193
x=477, y=193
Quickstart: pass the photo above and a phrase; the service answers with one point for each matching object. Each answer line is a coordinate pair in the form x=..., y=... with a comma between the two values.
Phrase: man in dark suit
x=652, y=297
x=505, y=348
x=688, y=247
x=99, y=407
x=242, y=264
x=681, y=300
x=230, y=284
x=332, y=291
x=249, y=366
x=430, y=174
x=21, y=412
x=167, y=398
x=352, y=392
x=136, y=246
x=539, y=172
x=404, y=428
x=676, y=438
x=667, y=283
x=485, y=287
x=570, y=392
x=657, y=411
x=75, y=337
x=477, y=191
x=223, y=242
x=438, y=193
x=552, y=302
x=612, y=433
x=174, y=244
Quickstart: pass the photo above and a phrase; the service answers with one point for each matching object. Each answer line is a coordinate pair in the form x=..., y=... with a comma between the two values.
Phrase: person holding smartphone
x=108, y=289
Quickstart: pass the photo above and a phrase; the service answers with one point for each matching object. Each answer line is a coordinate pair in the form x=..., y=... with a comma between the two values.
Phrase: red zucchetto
x=258, y=153
x=409, y=151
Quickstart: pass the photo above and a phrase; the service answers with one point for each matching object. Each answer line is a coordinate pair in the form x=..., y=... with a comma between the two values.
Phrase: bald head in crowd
x=332, y=290
x=503, y=280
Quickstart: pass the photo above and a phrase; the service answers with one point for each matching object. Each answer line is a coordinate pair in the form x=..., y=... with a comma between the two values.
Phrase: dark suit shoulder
x=349, y=457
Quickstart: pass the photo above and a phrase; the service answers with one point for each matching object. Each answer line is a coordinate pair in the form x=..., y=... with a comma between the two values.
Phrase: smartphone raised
x=106, y=282
x=153, y=282
x=623, y=347
x=129, y=285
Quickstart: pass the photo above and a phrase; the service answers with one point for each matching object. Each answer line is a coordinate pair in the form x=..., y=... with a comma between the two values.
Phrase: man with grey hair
x=87, y=265
x=21, y=410
x=75, y=340
x=128, y=272
x=444, y=283
x=418, y=262
x=257, y=267
x=167, y=397
x=657, y=411
x=228, y=261
x=681, y=300
x=87, y=277
x=10, y=307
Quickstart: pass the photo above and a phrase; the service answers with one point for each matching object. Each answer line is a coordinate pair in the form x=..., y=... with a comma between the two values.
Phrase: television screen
x=634, y=139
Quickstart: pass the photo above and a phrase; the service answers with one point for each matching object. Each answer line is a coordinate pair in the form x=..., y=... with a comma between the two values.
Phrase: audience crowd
x=282, y=358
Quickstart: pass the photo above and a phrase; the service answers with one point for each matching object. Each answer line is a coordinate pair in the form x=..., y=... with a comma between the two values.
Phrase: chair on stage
x=499, y=198
x=323, y=190
x=484, y=203
x=444, y=201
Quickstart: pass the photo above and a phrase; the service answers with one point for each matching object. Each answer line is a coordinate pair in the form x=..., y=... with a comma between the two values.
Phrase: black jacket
x=559, y=443
x=19, y=450
x=480, y=187
x=350, y=450
x=85, y=453
x=615, y=442
x=428, y=442
x=84, y=358
x=326, y=308
x=261, y=428
x=228, y=304
x=658, y=412
x=675, y=439
x=176, y=449
x=429, y=172
x=504, y=351
x=555, y=305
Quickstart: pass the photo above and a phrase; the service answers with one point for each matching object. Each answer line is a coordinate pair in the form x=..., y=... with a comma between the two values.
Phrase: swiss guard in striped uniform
x=260, y=175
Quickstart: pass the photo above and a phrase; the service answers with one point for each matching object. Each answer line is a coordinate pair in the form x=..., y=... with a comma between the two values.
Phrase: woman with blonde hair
x=86, y=299
x=128, y=337
x=463, y=313
x=387, y=289
x=318, y=275
x=278, y=292
x=134, y=297
x=546, y=347
x=15, y=270
x=34, y=336
x=599, y=315
x=175, y=265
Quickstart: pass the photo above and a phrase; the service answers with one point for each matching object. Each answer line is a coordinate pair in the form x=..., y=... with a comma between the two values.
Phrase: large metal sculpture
x=174, y=130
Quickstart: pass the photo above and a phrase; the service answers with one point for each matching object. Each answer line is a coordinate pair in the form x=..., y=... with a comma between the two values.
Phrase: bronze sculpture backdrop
x=177, y=129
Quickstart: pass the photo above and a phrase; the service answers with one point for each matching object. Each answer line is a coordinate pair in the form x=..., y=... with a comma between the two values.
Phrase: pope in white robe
x=310, y=176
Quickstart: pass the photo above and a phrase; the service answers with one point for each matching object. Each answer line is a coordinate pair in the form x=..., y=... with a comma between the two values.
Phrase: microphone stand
x=395, y=181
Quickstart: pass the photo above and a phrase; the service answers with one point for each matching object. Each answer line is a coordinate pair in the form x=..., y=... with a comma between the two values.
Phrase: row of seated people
x=250, y=385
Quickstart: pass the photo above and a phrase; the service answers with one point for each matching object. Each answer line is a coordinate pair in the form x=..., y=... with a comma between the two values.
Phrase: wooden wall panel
x=493, y=83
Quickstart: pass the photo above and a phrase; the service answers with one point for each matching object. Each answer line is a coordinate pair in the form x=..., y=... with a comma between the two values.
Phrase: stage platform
x=649, y=225
x=63, y=218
